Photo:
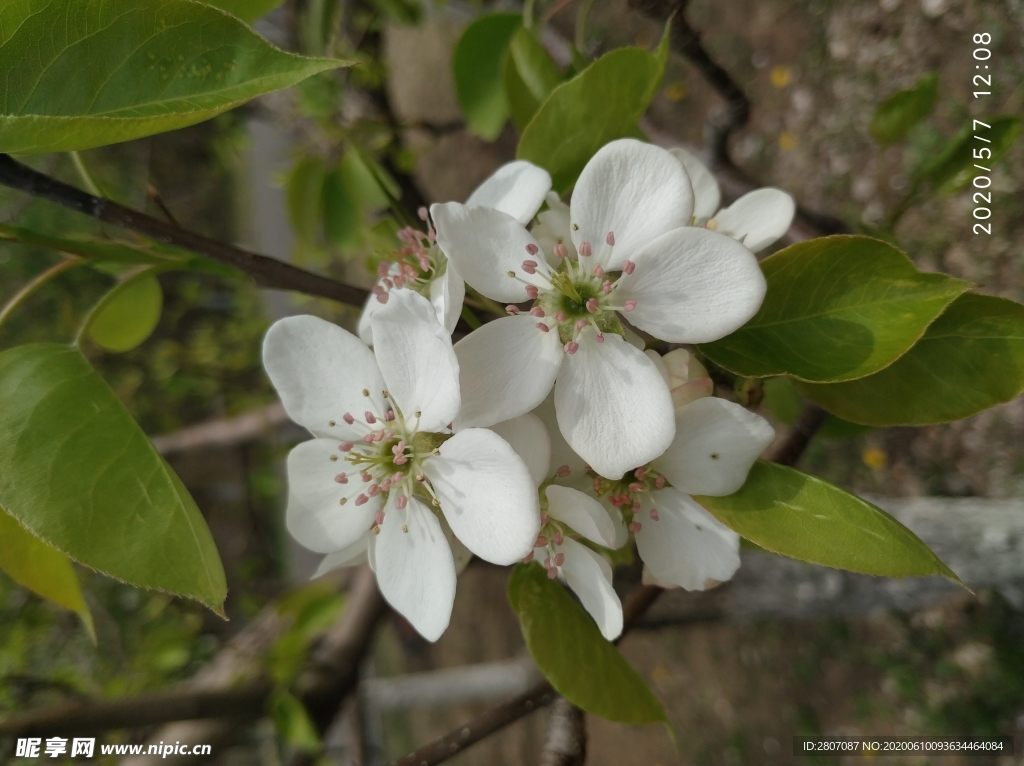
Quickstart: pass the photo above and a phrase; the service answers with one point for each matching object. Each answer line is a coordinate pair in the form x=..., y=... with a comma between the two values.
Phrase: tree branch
x=223, y=432
x=266, y=272
x=567, y=736
x=811, y=418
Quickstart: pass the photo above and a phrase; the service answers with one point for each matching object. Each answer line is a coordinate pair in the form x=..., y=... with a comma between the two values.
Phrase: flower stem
x=26, y=292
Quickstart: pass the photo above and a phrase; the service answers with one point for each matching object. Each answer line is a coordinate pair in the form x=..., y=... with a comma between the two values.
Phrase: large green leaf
x=530, y=76
x=35, y=565
x=477, y=66
x=129, y=316
x=786, y=511
x=837, y=308
x=247, y=10
x=603, y=103
x=80, y=474
x=953, y=167
x=93, y=72
x=970, y=359
x=570, y=651
x=903, y=110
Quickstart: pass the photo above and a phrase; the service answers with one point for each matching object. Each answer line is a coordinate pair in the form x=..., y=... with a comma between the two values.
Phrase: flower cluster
x=548, y=434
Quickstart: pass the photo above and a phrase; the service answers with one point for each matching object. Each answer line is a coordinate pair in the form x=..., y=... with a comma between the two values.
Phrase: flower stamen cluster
x=414, y=265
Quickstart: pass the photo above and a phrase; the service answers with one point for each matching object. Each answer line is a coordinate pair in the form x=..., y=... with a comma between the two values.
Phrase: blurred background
x=787, y=648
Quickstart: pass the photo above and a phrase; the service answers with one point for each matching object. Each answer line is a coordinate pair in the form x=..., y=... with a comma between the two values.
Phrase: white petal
x=562, y=455
x=687, y=546
x=529, y=438
x=351, y=556
x=516, y=189
x=716, y=444
x=415, y=569
x=485, y=245
x=507, y=367
x=320, y=371
x=634, y=190
x=706, y=196
x=655, y=357
x=417, y=360
x=613, y=407
x=758, y=218
x=315, y=515
x=487, y=495
x=590, y=578
x=552, y=228
x=693, y=286
x=460, y=552
x=447, y=293
x=581, y=512
x=364, y=329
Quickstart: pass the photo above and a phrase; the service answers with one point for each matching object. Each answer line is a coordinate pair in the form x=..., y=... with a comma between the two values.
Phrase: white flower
x=516, y=188
x=715, y=445
x=629, y=216
x=568, y=513
x=384, y=458
x=757, y=219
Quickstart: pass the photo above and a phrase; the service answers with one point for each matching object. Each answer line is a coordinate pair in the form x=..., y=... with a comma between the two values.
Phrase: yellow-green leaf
x=129, y=317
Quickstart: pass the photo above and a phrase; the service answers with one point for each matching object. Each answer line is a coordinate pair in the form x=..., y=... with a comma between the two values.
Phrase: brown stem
x=567, y=736
x=266, y=272
x=811, y=418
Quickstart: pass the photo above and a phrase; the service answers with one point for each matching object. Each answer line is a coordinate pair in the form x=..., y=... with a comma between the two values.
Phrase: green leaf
x=247, y=10
x=35, y=565
x=970, y=359
x=603, y=103
x=129, y=316
x=95, y=72
x=81, y=475
x=570, y=651
x=342, y=213
x=477, y=66
x=101, y=251
x=954, y=167
x=529, y=76
x=305, y=190
x=784, y=402
x=837, y=308
x=903, y=110
x=362, y=182
x=786, y=511
x=293, y=723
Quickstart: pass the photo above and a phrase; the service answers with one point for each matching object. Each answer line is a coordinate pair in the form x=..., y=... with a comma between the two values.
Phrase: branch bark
x=567, y=736
x=266, y=272
x=223, y=432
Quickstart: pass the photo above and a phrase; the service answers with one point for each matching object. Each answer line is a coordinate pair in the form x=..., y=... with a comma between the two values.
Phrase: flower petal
x=613, y=406
x=716, y=444
x=316, y=515
x=507, y=367
x=353, y=555
x=581, y=512
x=706, y=196
x=415, y=568
x=417, y=360
x=758, y=218
x=552, y=229
x=635, y=191
x=447, y=293
x=460, y=553
x=516, y=189
x=686, y=546
x=562, y=455
x=590, y=578
x=487, y=495
x=693, y=286
x=485, y=245
x=364, y=329
x=320, y=372
x=529, y=438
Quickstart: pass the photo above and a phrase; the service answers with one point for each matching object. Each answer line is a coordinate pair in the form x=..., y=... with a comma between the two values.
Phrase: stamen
x=347, y=417
x=378, y=518
x=628, y=267
x=634, y=526
x=598, y=271
x=513, y=310
x=531, y=249
x=560, y=316
x=532, y=291
x=585, y=249
x=365, y=476
x=561, y=251
x=530, y=267
x=542, y=327
x=334, y=458
x=422, y=213
x=571, y=347
x=529, y=558
x=640, y=473
x=374, y=490
x=654, y=514
x=559, y=559
x=401, y=502
x=346, y=446
x=559, y=539
x=563, y=471
x=600, y=337
x=610, y=239
x=592, y=307
x=370, y=417
x=581, y=323
x=541, y=541
x=538, y=312
x=341, y=478
x=606, y=287
x=362, y=500
x=630, y=305
x=552, y=573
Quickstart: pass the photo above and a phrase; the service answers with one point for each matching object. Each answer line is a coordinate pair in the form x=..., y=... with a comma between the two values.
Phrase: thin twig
x=267, y=272
x=223, y=432
x=26, y=292
x=686, y=40
x=566, y=743
x=811, y=418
